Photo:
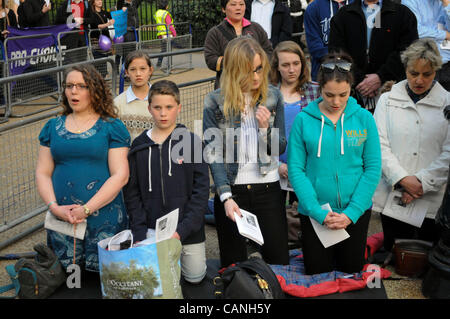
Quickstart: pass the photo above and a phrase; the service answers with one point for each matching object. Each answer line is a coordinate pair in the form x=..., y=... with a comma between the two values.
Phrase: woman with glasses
x=82, y=166
x=415, y=142
x=243, y=127
x=334, y=158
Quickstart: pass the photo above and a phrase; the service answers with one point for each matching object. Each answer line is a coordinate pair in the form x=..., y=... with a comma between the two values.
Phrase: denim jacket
x=218, y=133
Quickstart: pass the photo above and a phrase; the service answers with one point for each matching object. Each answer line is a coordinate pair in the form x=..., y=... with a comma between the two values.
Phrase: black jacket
x=398, y=30
x=133, y=14
x=30, y=14
x=281, y=21
x=178, y=183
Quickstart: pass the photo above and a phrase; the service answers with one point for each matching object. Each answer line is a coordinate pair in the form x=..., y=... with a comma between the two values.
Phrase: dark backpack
x=35, y=278
x=250, y=279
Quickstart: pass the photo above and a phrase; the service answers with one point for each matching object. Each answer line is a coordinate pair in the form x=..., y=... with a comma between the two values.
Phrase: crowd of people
x=366, y=118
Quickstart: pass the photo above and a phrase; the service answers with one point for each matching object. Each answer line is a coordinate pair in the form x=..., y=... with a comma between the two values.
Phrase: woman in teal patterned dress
x=82, y=166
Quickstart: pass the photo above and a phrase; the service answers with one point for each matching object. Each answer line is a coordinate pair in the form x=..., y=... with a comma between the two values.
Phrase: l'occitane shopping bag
x=144, y=271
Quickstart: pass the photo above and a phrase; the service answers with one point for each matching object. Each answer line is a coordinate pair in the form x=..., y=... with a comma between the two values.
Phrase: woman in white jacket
x=415, y=142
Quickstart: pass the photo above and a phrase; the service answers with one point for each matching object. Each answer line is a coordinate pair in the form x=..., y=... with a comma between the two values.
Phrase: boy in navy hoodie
x=166, y=173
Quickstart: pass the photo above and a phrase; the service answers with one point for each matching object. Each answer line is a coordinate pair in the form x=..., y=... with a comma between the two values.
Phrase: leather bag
x=411, y=257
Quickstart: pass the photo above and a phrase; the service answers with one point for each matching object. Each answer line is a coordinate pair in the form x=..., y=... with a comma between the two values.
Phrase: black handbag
x=36, y=278
x=250, y=279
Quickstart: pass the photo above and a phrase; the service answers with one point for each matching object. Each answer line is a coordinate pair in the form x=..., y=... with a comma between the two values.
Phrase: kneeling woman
x=334, y=157
x=247, y=115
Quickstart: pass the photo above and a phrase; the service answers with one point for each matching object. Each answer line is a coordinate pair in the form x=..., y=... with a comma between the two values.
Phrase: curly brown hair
x=99, y=91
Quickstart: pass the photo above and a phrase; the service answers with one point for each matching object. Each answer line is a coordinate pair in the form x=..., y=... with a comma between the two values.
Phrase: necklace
x=85, y=124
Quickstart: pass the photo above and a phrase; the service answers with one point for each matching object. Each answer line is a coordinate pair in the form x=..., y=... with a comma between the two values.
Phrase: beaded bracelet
x=51, y=203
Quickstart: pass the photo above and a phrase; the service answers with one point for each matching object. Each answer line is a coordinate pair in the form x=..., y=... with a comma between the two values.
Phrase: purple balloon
x=104, y=43
x=118, y=39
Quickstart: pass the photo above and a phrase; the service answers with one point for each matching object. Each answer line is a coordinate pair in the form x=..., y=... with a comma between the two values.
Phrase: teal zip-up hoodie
x=339, y=165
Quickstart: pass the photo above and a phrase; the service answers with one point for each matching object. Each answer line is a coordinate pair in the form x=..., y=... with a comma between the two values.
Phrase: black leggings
x=263, y=200
x=346, y=256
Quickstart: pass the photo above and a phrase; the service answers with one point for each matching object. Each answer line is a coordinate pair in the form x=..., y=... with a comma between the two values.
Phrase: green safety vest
x=160, y=17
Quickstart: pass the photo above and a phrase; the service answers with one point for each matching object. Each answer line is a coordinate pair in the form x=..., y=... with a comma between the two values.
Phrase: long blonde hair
x=237, y=76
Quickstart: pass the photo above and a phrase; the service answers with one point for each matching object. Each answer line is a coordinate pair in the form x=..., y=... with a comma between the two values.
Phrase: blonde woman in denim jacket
x=243, y=124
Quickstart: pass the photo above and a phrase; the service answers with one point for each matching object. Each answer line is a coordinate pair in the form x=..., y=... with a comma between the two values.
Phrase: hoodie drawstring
x=320, y=138
x=150, y=164
x=321, y=134
x=342, y=134
x=170, y=160
x=150, y=169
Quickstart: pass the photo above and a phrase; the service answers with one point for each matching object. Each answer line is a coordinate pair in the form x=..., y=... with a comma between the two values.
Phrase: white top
x=131, y=96
x=248, y=172
x=262, y=11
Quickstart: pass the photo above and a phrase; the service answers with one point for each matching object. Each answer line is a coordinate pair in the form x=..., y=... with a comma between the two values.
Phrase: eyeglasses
x=258, y=70
x=341, y=66
x=70, y=86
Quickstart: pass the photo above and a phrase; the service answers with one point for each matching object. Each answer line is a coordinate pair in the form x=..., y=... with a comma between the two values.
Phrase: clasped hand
x=336, y=221
x=412, y=189
x=370, y=85
x=73, y=214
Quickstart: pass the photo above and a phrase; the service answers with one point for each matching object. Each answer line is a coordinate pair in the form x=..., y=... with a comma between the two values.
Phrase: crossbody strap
x=228, y=35
x=14, y=285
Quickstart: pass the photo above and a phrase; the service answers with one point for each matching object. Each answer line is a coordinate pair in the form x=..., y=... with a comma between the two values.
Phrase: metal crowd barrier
x=182, y=41
x=74, y=55
x=19, y=200
x=29, y=89
x=3, y=103
x=130, y=44
x=149, y=41
x=30, y=92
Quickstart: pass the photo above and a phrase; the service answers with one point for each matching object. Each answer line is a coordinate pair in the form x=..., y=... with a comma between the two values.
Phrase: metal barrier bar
x=183, y=40
x=60, y=69
x=3, y=102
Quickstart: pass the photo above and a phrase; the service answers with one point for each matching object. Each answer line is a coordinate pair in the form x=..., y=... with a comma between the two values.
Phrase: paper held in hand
x=285, y=184
x=248, y=226
x=166, y=226
x=414, y=213
x=63, y=227
x=328, y=237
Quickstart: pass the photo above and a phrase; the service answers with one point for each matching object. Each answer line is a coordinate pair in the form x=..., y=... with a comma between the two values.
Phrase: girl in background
x=133, y=103
x=290, y=72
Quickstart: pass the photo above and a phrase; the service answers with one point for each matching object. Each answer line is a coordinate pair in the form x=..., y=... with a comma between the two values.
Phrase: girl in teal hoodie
x=334, y=157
